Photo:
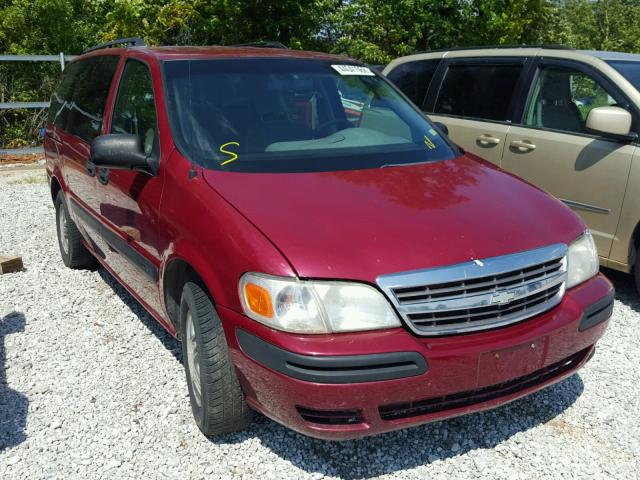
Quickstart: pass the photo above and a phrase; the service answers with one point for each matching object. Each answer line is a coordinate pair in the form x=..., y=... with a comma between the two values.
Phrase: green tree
x=599, y=25
x=47, y=26
x=378, y=30
x=222, y=22
x=375, y=31
x=502, y=22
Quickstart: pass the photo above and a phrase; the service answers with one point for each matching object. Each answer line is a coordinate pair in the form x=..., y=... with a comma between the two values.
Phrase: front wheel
x=636, y=271
x=217, y=400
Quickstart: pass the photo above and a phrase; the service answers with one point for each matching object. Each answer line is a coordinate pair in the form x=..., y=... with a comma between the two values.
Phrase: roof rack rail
x=264, y=44
x=555, y=46
x=130, y=42
x=482, y=47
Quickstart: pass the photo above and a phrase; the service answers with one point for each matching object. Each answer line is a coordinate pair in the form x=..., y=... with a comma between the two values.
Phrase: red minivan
x=325, y=254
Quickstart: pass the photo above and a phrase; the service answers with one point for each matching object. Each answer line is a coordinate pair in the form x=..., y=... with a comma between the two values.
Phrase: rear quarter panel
x=52, y=153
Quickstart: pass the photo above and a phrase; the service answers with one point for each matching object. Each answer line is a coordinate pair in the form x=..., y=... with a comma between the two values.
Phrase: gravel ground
x=91, y=387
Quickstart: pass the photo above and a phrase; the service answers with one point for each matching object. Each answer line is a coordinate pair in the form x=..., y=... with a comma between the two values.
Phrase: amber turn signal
x=258, y=300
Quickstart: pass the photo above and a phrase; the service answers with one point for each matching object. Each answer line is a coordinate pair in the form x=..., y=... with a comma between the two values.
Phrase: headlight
x=582, y=260
x=314, y=306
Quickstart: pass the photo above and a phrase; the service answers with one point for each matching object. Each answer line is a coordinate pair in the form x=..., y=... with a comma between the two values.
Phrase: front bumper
x=307, y=388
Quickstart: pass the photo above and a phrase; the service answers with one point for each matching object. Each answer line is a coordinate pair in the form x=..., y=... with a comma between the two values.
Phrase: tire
x=74, y=253
x=636, y=271
x=217, y=400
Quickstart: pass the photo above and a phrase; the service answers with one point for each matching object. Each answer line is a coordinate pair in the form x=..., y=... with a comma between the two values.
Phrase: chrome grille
x=481, y=294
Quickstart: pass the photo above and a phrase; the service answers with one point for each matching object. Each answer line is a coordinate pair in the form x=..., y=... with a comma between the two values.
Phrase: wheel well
x=176, y=274
x=633, y=246
x=55, y=188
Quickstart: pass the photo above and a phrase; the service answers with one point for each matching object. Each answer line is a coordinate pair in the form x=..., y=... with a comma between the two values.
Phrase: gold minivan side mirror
x=610, y=122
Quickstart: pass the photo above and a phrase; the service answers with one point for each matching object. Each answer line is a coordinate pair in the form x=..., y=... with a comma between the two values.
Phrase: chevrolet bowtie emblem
x=500, y=298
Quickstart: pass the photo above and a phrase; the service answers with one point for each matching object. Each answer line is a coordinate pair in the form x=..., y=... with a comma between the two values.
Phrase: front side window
x=135, y=110
x=78, y=104
x=562, y=98
x=478, y=91
x=262, y=115
x=414, y=78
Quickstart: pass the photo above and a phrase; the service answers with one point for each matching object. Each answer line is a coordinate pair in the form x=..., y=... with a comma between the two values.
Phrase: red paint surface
x=343, y=225
x=454, y=366
x=359, y=224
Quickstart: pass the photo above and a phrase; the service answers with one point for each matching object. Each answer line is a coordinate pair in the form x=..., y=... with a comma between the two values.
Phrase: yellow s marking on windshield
x=234, y=156
x=430, y=145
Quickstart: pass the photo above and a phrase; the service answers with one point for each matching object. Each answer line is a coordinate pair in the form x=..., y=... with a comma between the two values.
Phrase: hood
x=359, y=224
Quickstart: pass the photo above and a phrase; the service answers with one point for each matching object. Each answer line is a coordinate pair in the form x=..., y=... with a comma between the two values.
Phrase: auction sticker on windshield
x=353, y=70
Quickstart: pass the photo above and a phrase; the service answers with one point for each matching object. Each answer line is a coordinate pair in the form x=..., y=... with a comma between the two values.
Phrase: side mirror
x=614, y=122
x=442, y=127
x=119, y=151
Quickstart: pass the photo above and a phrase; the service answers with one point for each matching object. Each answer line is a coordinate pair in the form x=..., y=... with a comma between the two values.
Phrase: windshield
x=629, y=70
x=294, y=115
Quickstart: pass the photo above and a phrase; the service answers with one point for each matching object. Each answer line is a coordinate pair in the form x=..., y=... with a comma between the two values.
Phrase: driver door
x=130, y=200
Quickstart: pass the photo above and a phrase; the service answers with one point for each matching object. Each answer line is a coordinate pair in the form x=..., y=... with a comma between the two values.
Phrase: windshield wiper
x=384, y=165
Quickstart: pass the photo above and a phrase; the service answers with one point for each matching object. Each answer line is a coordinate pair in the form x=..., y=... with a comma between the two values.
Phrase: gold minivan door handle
x=522, y=145
x=487, y=140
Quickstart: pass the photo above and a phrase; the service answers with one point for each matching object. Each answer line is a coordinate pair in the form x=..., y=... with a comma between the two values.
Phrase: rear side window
x=414, y=78
x=78, y=104
x=478, y=91
x=61, y=99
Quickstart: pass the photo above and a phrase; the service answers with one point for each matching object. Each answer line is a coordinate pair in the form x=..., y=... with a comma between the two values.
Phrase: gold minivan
x=565, y=120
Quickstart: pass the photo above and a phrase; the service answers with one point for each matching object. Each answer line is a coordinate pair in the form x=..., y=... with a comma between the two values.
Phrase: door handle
x=487, y=140
x=522, y=145
x=91, y=168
